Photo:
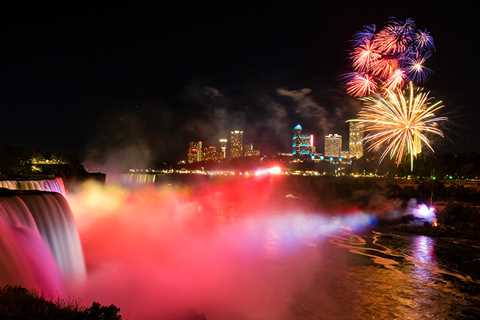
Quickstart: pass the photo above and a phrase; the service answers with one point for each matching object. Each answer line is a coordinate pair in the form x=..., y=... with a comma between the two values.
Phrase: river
x=391, y=276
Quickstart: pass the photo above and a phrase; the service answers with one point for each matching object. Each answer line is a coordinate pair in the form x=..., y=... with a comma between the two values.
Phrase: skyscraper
x=333, y=145
x=250, y=151
x=302, y=144
x=223, y=149
x=236, y=144
x=209, y=153
x=194, y=153
x=355, y=142
x=313, y=149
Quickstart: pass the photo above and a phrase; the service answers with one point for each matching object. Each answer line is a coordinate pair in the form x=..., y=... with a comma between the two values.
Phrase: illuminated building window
x=209, y=153
x=194, y=153
x=236, y=144
x=333, y=145
x=223, y=149
x=250, y=151
x=355, y=143
x=302, y=144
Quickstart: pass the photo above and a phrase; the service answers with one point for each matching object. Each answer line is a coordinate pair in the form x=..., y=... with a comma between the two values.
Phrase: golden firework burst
x=399, y=123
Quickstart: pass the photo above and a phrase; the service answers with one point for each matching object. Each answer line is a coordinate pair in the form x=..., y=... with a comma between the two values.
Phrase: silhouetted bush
x=17, y=303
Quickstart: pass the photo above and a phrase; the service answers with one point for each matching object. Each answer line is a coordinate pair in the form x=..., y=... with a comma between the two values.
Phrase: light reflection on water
x=424, y=257
x=393, y=277
x=423, y=249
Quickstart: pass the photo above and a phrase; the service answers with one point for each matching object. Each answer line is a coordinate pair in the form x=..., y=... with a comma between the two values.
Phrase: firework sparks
x=383, y=68
x=396, y=36
x=399, y=123
x=366, y=34
x=396, y=80
x=424, y=40
x=389, y=57
x=364, y=55
x=417, y=70
x=361, y=85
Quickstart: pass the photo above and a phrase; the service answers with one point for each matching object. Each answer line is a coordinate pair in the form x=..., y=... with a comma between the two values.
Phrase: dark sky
x=91, y=80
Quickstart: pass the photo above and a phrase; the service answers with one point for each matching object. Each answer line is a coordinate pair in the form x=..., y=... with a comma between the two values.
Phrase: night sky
x=140, y=82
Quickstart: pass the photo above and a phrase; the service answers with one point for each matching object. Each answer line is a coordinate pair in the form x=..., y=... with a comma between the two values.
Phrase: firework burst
x=416, y=69
x=364, y=56
x=389, y=57
x=395, y=80
x=399, y=123
x=360, y=85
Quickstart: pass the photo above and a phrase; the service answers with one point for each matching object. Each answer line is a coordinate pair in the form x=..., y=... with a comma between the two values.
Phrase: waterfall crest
x=51, y=185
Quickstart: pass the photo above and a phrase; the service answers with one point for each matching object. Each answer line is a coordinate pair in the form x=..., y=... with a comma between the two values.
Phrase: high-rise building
x=194, y=153
x=355, y=142
x=250, y=151
x=302, y=144
x=209, y=153
x=333, y=145
x=313, y=149
x=236, y=144
x=223, y=149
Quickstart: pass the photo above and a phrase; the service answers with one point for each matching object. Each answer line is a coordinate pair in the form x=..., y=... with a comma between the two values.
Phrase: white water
x=51, y=185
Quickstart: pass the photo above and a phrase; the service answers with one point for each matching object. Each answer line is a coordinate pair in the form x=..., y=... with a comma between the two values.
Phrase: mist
x=166, y=251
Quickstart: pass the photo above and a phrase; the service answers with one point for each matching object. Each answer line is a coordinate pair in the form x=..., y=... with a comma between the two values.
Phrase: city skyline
x=302, y=146
x=138, y=93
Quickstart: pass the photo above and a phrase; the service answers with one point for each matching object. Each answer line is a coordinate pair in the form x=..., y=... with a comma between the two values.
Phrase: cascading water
x=39, y=244
x=51, y=185
x=26, y=260
x=55, y=223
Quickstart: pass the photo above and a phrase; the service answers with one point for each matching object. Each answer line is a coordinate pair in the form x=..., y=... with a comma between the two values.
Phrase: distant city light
x=302, y=144
x=236, y=144
x=268, y=171
x=223, y=149
x=355, y=143
x=194, y=153
x=333, y=145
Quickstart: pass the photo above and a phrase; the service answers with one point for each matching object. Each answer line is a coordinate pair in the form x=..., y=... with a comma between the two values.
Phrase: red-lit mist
x=227, y=249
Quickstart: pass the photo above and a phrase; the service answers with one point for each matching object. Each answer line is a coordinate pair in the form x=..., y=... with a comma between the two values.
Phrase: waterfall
x=25, y=260
x=135, y=179
x=39, y=243
x=51, y=185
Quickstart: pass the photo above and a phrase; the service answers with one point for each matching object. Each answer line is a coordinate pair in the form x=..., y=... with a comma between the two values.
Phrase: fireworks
x=399, y=122
x=361, y=85
x=383, y=61
x=389, y=58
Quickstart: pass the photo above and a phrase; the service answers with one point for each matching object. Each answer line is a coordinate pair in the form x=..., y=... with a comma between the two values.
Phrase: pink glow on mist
x=217, y=248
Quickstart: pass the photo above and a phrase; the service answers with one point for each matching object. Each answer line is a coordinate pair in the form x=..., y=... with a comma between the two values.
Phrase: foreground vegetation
x=19, y=303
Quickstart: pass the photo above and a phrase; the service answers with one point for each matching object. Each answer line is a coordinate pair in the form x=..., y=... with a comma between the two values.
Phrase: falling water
x=39, y=244
x=26, y=260
x=51, y=185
